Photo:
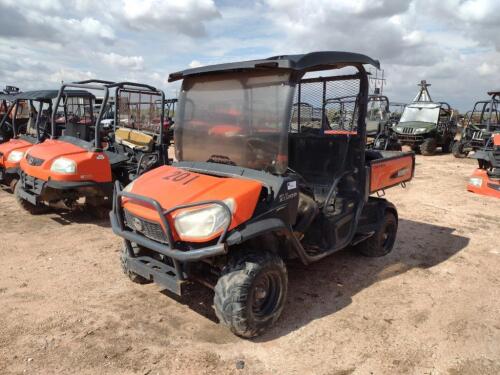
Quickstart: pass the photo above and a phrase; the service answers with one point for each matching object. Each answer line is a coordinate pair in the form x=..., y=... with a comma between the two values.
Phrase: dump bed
x=389, y=168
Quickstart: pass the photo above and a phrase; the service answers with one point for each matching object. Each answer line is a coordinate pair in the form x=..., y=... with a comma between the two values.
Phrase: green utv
x=426, y=125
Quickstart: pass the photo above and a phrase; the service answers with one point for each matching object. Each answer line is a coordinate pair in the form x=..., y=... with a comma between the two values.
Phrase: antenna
x=423, y=94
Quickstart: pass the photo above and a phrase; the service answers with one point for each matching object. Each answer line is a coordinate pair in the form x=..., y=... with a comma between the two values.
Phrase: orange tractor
x=88, y=157
x=254, y=187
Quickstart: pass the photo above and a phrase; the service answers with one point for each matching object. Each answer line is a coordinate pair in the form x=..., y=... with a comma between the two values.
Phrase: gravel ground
x=430, y=307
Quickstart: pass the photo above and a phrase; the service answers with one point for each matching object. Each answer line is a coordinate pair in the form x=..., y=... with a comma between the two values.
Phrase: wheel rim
x=266, y=294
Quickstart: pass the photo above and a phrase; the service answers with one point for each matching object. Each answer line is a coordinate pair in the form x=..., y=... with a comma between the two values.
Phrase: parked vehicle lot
x=429, y=307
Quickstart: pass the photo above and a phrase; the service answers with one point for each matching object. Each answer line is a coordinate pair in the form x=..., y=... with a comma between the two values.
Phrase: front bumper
x=170, y=274
x=407, y=139
x=32, y=188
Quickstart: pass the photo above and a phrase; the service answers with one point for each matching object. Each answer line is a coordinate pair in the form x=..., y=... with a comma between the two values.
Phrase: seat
x=134, y=139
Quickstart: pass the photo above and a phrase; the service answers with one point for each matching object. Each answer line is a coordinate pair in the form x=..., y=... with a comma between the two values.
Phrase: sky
x=453, y=44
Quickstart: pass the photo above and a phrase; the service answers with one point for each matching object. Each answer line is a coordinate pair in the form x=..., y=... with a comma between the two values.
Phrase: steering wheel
x=258, y=146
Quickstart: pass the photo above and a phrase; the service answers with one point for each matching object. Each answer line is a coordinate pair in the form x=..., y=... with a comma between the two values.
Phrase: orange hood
x=91, y=166
x=172, y=187
x=7, y=147
x=52, y=149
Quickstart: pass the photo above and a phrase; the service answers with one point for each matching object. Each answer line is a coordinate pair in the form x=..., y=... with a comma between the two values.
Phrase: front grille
x=147, y=228
x=408, y=130
x=36, y=162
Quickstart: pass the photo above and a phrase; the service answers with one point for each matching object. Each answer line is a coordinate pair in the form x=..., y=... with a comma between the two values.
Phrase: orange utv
x=486, y=179
x=7, y=105
x=254, y=186
x=88, y=157
x=31, y=115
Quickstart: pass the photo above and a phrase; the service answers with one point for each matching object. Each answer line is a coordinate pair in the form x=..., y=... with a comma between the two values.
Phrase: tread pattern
x=231, y=300
x=428, y=147
x=373, y=246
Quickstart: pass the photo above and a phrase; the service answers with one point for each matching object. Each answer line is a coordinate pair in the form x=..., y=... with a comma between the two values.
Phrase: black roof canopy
x=50, y=94
x=306, y=62
x=4, y=96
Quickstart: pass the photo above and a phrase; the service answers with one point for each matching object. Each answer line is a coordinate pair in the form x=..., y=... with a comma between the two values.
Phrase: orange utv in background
x=6, y=105
x=31, y=124
x=486, y=179
x=87, y=158
x=255, y=185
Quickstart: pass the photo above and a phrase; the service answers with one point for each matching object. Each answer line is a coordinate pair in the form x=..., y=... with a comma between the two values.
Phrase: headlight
x=63, y=165
x=398, y=128
x=420, y=130
x=15, y=156
x=203, y=222
x=129, y=187
x=476, y=181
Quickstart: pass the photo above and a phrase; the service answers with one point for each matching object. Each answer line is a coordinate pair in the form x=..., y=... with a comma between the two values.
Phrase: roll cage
x=41, y=97
x=489, y=116
x=106, y=87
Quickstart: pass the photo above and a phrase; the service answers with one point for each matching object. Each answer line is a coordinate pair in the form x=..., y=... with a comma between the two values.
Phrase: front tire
x=251, y=293
x=448, y=146
x=36, y=209
x=12, y=184
x=382, y=242
x=135, y=278
x=428, y=147
x=458, y=150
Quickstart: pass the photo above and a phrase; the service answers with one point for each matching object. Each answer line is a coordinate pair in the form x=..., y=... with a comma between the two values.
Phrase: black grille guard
x=169, y=250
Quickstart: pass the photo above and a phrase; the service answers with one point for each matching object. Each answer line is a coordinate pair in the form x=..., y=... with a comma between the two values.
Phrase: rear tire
x=135, y=278
x=458, y=150
x=37, y=209
x=428, y=148
x=250, y=294
x=382, y=242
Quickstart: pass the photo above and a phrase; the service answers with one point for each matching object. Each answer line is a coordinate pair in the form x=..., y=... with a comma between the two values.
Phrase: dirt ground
x=430, y=307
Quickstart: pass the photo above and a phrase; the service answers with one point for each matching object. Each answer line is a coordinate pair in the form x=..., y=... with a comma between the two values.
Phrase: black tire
x=131, y=275
x=458, y=150
x=416, y=149
x=12, y=184
x=382, y=242
x=237, y=303
x=394, y=146
x=428, y=147
x=447, y=147
x=37, y=209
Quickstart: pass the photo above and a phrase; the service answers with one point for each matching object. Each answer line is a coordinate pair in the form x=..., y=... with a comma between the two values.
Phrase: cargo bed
x=389, y=168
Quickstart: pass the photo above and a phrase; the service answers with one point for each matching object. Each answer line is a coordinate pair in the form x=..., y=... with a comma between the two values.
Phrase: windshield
x=237, y=119
x=421, y=114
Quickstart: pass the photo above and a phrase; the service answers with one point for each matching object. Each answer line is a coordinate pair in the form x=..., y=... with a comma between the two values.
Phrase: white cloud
x=186, y=17
x=130, y=62
x=195, y=64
